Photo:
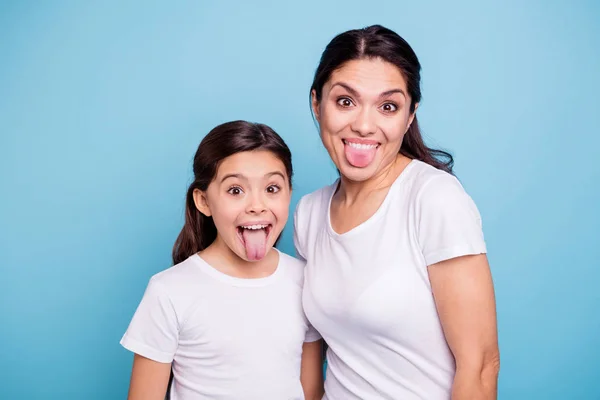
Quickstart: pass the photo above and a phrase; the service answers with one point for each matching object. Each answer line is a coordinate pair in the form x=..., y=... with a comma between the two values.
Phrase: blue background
x=102, y=106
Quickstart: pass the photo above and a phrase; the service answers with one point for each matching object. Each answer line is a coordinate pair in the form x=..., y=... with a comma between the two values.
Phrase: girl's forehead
x=252, y=164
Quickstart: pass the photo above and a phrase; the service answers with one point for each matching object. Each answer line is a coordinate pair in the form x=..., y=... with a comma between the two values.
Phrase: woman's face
x=363, y=115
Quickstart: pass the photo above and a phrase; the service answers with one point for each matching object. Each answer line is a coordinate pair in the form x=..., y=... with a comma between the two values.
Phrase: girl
x=227, y=318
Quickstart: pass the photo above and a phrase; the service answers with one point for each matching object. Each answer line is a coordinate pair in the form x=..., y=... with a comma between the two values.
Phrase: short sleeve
x=312, y=335
x=448, y=221
x=153, y=332
x=298, y=233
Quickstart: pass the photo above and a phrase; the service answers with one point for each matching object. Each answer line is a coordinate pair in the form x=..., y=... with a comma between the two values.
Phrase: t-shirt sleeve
x=312, y=335
x=153, y=332
x=448, y=221
x=298, y=231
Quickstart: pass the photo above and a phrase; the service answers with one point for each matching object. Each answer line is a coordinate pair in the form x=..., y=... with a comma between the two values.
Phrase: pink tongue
x=359, y=158
x=255, y=241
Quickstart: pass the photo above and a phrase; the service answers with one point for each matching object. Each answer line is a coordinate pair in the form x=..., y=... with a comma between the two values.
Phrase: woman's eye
x=389, y=107
x=344, y=102
x=273, y=189
x=235, y=191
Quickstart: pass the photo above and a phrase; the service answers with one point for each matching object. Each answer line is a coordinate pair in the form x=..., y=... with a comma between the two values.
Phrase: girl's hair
x=225, y=140
x=379, y=42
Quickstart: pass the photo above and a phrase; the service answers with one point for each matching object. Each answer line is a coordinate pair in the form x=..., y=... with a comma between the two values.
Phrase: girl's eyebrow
x=270, y=174
x=229, y=176
x=243, y=177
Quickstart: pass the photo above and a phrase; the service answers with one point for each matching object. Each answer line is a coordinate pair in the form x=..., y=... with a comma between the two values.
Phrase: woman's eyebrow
x=355, y=93
x=391, y=92
x=352, y=91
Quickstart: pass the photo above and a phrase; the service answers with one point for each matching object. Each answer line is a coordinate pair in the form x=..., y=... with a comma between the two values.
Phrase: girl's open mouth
x=254, y=238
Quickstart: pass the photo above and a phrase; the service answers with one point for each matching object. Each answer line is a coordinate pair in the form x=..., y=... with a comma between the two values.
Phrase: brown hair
x=225, y=140
x=379, y=42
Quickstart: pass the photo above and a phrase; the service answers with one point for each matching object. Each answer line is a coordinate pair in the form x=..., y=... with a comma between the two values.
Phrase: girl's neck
x=349, y=192
x=219, y=256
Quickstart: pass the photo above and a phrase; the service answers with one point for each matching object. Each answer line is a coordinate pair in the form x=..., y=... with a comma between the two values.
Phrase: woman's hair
x=379, y=42
x=225, y=140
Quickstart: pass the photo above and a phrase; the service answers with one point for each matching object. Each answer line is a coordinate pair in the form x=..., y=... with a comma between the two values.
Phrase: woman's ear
x=201, y=202
x=411, y=118
x=315, y=104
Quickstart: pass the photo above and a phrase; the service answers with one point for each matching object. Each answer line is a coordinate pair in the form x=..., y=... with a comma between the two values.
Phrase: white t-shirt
x=228, y=338
x=368, y=293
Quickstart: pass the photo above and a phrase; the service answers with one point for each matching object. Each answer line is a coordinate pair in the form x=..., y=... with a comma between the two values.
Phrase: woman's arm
x=149, y=379
x=311, y=373
x=464, y=296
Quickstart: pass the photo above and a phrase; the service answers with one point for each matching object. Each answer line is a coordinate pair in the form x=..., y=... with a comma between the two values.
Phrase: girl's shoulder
x=178, y=280
x=292, y=267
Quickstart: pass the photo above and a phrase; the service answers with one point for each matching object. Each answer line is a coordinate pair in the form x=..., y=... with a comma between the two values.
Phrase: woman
x=397, y=279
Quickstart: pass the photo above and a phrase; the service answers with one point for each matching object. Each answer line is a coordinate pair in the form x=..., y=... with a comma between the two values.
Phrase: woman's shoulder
x=438, y=192
x=427, y=181
x=422, y=173
x=318, y=199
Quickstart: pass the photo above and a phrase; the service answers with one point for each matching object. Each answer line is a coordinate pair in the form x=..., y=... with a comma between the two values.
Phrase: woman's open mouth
x=360, y=153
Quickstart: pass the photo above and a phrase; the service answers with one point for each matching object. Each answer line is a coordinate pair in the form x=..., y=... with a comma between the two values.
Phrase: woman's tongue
x=255, y=241
x=359, y=157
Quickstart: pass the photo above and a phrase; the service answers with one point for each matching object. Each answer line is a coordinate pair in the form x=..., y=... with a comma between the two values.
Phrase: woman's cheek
x=333, y=120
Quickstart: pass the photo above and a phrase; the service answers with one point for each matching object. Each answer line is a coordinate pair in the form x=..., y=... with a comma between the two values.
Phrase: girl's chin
x=241, y=252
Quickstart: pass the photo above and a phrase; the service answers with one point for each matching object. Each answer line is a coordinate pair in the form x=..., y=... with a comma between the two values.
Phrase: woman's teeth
x=361, y=146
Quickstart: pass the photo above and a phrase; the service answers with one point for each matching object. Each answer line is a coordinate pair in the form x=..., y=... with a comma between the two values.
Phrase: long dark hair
x=377, y=41
x=199, y=231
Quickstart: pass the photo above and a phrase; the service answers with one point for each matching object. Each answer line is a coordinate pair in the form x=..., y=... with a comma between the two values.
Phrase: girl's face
x=249, y=201
x=363, y=115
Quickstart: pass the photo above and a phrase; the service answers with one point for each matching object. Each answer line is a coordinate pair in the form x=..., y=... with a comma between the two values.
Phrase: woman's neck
x=349, y=192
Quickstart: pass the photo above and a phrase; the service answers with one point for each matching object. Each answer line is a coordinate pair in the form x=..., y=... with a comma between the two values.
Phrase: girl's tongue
x=255, y=241
x=359, y=155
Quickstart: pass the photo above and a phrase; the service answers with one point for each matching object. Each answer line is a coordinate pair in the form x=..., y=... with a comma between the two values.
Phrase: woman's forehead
x=368, y=75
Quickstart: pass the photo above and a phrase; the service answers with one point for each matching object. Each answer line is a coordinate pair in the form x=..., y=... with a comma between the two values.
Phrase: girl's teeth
x=254, y=227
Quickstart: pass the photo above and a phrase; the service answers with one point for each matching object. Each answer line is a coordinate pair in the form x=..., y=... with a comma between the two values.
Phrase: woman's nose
x=364, y=124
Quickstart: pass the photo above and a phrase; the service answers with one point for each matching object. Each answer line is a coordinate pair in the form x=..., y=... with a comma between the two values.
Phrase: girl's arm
x=149, y=379
x=464, y=296
x=311, y=373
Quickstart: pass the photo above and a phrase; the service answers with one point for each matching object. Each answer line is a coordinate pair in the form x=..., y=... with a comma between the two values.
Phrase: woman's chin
x=358, y=174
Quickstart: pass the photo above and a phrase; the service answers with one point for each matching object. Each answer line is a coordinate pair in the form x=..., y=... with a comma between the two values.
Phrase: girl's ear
x=201, y=202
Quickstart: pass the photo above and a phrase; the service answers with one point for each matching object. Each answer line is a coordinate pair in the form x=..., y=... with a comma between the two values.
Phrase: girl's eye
x=273, y=189
x=344, y=102
x=389, y=107
x=236, y=190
